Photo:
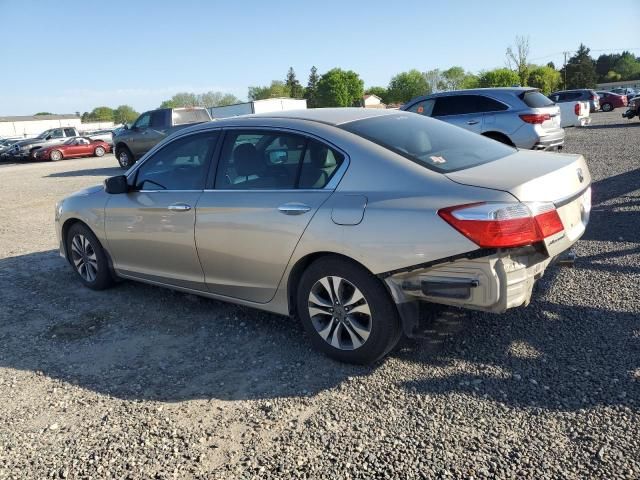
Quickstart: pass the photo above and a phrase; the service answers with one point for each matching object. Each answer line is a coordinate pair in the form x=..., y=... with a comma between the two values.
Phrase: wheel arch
x=66, y=226
x=498, y=136
x=301, y=265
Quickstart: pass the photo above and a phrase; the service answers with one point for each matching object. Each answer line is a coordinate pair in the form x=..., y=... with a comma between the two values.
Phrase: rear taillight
x=595, y=97
x=535, y=117
x=504, y=225
x=576, y=109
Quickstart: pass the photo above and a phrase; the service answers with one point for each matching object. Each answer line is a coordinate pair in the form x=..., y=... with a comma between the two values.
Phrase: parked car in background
x=23, y=149
x=131, y=143
x=6, y=143
x=633, y=109
x=73, y=148
x=278, y=211
x=102, y=135
x=584, y=95
x=574, y=114
x=521, y=117
x=610, y=101
x=626, y=92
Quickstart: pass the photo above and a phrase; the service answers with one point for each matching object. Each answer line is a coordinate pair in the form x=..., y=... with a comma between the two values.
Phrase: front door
x=268, y=186
x=150, y=230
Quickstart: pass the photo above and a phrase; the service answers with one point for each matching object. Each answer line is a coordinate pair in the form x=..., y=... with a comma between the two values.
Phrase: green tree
x=295, y=89
x=456, y=78
x=580, y=70
x=627, y=66
x=606, y=63
x=42, y=113
x=277, y=89
x=518, y=59
x=124, y=114
x=499, y=77
x=85, y=117
x=311, y=92
x=339, y=88
x=181, y=99
x=380, y=92
x=215, y=99
x=406, y=85
x=612, y=76
x=545, y=78
x=101, y=114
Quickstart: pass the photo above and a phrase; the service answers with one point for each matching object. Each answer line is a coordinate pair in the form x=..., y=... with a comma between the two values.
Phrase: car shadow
x=89, y=172
x=139, y=342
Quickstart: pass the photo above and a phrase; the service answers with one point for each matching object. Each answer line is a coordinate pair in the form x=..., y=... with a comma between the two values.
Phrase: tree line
x=345, y=88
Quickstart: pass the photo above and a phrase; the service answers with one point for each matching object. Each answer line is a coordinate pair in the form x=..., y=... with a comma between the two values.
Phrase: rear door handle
x=472, y=122
x=179, y=207
x=294, y=208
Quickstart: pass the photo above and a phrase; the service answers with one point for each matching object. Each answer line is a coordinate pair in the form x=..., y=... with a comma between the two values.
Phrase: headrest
x=321, y=156
x=245, y=157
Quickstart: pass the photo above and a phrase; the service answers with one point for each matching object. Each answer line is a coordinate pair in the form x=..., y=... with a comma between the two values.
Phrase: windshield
x=432, y=143
x=44, y=134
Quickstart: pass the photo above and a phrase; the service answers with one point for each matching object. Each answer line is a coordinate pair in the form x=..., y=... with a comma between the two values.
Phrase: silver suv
x=521, y=117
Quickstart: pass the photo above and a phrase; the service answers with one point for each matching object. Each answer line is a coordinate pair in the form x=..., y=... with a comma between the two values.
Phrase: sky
x=70, y=56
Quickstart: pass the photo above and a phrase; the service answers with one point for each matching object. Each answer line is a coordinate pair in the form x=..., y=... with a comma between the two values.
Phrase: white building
x=32, y=125
x=635, y=84
x=372, y=101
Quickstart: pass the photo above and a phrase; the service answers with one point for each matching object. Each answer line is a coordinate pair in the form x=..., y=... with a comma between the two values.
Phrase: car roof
x=330, y=116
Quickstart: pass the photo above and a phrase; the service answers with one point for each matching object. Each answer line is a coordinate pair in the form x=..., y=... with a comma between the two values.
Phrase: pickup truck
x=131, y=143
x=23, y=149
x=574, y=114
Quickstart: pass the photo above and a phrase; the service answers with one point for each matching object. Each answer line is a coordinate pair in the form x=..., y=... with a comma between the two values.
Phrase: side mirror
x=116, y=185
x=126, y=126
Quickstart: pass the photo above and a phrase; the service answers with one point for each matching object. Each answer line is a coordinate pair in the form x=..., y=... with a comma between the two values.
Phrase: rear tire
x=55, y=155
x=606, y=107
x=88, y=258
x=347, y=312
x=125, y=157
x=99, y=151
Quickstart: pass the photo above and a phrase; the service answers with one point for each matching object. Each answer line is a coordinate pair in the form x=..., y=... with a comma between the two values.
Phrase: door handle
x=472, y=122
x=294, y=208
x=179, y=207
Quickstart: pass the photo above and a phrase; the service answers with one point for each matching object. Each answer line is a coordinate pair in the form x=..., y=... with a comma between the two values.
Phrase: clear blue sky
x=67, y=56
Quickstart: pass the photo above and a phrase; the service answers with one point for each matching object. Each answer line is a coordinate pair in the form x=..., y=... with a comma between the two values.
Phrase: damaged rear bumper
x=496, y=282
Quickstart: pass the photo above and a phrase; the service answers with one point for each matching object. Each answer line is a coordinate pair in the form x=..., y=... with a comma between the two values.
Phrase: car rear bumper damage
x=496, y=282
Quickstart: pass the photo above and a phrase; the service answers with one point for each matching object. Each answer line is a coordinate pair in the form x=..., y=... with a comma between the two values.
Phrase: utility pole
x=565, y=69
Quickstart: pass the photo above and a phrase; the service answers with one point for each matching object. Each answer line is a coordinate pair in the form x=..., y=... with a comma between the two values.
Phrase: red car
x=73, y=148
x=610, y=100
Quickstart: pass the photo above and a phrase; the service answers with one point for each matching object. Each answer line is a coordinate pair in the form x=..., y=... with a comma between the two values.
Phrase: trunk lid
x=532, y=176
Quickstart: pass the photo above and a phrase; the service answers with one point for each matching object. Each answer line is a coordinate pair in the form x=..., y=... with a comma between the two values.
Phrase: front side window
x=434, y=144
x=57, y=133
x=455, y=105
x=179, y=165
x=143, y=121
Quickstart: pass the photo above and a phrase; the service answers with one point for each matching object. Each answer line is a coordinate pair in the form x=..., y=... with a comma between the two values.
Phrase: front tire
x=99, y=151
x=125, y=158
x=55, y=155
x=88, y=258
x=347, y=312
x=606, y=107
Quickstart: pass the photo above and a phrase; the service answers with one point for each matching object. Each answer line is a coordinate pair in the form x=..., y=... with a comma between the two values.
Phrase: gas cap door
x=348, y=209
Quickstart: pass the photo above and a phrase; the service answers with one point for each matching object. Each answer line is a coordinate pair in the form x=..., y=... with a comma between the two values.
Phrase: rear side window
x=534, y=99
x=70, y=132
x=190, y=115
x=157, y=119
x=434, y=144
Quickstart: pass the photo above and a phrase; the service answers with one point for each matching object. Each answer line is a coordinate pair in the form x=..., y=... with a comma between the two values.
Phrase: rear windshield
x=534, y=99
x=432, y=143
x=182, y=117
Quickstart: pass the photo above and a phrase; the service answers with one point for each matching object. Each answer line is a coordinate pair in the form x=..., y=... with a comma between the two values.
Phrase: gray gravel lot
x=142, y=382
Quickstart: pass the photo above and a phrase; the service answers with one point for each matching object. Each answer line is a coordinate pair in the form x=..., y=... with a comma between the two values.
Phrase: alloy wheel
x=84, y=257
x=123, y=158
x=339, y=313
x=99, y=152
x=56, y=155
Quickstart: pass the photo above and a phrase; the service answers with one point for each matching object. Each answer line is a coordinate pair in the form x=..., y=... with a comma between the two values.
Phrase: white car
x=574, y=114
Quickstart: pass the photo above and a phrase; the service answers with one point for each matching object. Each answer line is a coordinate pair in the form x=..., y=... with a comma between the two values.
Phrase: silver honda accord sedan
x=343, y=218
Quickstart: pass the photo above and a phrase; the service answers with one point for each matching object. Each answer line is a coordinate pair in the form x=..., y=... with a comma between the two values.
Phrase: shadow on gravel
x=140, y=342
x=546, y=356
x=630, y=124
x=89, y=172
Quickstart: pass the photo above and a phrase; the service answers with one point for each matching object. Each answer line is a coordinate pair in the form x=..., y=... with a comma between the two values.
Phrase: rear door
x=268, y=185
x=460, y=110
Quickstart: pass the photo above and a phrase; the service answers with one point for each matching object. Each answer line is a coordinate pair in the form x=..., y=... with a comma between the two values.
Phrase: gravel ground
x=142, y=382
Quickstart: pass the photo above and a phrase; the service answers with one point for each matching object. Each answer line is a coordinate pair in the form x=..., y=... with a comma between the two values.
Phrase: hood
x=88, y=191
x=31, y=141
